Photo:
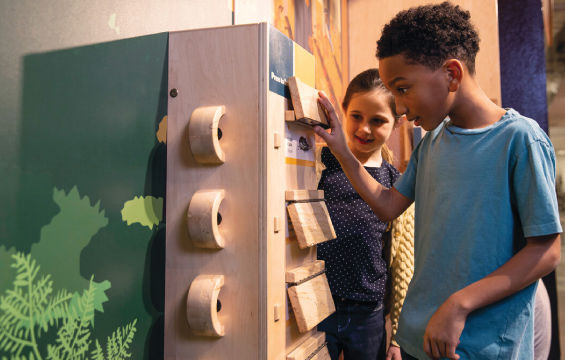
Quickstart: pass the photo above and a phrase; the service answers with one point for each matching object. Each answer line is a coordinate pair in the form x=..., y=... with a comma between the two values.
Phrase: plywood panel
x=204, y=80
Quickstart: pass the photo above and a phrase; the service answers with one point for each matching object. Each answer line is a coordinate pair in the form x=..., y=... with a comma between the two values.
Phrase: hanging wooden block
x=309, y=294
x=309, y=216
x=315, y=348
x=305, y=102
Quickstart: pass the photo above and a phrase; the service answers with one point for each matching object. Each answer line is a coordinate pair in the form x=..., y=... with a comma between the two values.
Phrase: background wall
x=369, y=18
x=82, y=142
x=83, y=120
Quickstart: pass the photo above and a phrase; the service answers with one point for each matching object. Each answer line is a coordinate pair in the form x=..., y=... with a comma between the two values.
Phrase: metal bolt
x=174, y=93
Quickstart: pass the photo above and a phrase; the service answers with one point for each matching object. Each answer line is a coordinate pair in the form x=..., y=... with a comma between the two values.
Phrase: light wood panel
x=206, y=80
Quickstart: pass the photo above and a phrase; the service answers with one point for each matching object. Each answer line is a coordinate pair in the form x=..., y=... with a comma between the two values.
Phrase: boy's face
x=420, y=93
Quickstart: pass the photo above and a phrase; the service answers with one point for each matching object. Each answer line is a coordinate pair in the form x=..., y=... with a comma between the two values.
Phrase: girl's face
x=370, y=122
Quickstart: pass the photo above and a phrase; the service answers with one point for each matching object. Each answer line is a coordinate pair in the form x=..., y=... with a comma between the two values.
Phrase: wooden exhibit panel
x=233, y=163
x=307, y=109
x=310, y=218
x=202, y=77
x=310, y=294
x=315, y=348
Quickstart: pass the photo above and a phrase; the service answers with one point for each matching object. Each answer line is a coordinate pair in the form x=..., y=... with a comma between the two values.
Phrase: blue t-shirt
x=355, y=266
x=478, y=194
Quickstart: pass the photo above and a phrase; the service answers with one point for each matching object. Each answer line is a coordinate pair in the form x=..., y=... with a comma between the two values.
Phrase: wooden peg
x=201, y=305
x=203, y=134
x=277, y=312
x=203, y=219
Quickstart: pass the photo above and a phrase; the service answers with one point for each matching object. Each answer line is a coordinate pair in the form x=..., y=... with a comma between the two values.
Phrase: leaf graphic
x=147, y=211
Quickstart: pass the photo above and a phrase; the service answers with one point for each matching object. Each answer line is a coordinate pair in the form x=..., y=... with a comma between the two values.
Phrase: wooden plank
x=305, y=102
x=311, y=302
x=311, y=222
x=302, y=272
x=297, y=195
x=307, y=348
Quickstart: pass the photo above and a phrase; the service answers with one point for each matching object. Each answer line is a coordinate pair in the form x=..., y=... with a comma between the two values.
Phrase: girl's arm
x=386, y=204
x=538, y=258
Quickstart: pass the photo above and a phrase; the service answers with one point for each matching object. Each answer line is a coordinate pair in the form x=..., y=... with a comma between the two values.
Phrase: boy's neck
x=472, y=109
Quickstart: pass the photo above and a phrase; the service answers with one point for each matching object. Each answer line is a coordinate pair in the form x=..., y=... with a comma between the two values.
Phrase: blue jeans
x=357, y=328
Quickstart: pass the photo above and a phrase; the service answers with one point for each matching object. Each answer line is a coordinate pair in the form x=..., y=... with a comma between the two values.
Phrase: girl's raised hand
x=336, y=137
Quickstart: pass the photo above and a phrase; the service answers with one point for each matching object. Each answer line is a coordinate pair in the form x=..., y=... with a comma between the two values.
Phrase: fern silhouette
x=30, y=309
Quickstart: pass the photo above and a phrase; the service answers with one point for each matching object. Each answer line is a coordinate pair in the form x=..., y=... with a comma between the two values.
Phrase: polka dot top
x=355, y=265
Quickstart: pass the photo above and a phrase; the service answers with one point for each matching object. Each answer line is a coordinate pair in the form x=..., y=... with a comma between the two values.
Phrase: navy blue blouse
x=355, y=266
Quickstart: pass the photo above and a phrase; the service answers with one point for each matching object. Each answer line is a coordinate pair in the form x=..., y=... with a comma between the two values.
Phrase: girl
x=355, y=262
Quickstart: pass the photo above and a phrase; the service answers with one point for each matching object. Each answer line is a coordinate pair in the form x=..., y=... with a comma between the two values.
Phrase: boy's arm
x=538, y=258
x=386, y=204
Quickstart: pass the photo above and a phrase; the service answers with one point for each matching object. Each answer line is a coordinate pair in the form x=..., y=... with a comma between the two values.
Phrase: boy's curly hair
x=431, y=34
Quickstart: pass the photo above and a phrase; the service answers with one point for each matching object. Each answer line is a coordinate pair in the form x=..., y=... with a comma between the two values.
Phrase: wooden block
x=201, y=302
x=311, y=301
x=277, y=312
x=277, y=224
x=302, y=272
x=307, y=348
x=310, y=220
x=289, y=115
x=305, y=102
x=296, y=195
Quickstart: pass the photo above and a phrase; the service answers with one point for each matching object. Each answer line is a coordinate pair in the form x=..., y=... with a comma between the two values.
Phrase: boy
x=483, y=181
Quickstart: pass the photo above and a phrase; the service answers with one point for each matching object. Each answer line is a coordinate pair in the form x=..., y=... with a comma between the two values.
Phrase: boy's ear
x=454, y=70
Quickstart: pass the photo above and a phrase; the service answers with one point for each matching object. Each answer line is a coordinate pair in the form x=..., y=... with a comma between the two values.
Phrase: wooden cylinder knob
x=203, y=219
x=201, y=305
x=203, y=134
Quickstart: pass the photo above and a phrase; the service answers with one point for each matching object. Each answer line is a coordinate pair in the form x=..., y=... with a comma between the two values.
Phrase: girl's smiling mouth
x=363, y=141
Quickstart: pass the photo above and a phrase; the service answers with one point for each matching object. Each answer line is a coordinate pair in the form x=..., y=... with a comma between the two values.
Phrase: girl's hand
x=393, y=353
x=336, y=138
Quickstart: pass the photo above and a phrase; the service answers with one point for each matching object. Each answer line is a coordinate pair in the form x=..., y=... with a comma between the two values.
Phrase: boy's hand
x=336, y=138
x=393, y=353
x=444, y=329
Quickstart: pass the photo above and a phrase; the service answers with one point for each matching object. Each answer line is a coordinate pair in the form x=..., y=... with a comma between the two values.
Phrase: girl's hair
x=366, y=81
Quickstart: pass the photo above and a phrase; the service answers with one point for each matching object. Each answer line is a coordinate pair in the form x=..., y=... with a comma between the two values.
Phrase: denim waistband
x=344, y=300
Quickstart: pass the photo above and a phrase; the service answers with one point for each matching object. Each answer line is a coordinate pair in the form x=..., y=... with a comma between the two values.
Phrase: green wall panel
x=89, y=208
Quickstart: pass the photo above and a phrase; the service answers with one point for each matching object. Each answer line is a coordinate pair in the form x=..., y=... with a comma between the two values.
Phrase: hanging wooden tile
x=309, y=294
x=309, y=216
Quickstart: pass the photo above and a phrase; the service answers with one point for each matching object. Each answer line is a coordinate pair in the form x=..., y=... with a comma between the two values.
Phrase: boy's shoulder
x=522, y=127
